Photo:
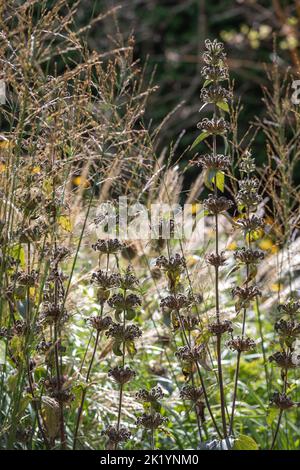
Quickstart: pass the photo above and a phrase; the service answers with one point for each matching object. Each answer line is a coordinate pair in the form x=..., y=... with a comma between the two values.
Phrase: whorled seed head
x=219, y=328
x=116, y=436
x=248, y=256
x=281, y=401
x=214, y=54
x=151, y=421
x=241, y=344
x=108, y=246
x=150, y=396
x=290, y=307
x=216, y=259
x=191, y=354
x=124, y=302
x=213, y=162
x=217, y=205
x=175, y=302
x=121, y=333
x=105, y=280
x=189, y=392
x=121, y=374
x=214, y=126
x=285, y=360
x=100, y=323
x=215, y=94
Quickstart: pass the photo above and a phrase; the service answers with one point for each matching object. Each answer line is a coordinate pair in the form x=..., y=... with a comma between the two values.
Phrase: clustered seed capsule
x=248, y=256
x=121, y=333
x=175, y=302
x=124, y=302
x=214, y=126
x=189, y=392
x=151, y=421
x=221, y=327
x=241, y=344
x=217, y=205
x=281, y=401
x=100, y=323
x=191, y=354
x=213, y=162
x=109, y=246
x=150, y=396
x=285, y=360
x=121, y=374
x=116, y=436
x=216, y=259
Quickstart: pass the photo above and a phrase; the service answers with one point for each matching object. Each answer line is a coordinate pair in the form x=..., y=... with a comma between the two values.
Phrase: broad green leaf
x=117, y=348
x=244, y=442
x=272, y=415
x=220, y=180
x=206, y=83
x=199, y=139
x=224, y=106
x=65, y=222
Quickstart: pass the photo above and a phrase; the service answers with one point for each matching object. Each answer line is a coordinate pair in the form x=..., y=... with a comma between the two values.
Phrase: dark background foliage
x=169, y=37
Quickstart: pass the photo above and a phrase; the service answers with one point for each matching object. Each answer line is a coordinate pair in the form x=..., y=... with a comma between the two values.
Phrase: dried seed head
x=100, y=323
x=215, y=94
x=109, y=246
x=247, y=163
x=129, y=333
x=217, y=205
x=105, y=280
x=248, y=256
x=219, y=328
x=191, y=355
x=175, y=264
x=213, y=162
x=215, y=73
x=214, y=54
x=116, y=436
x=151, y=421
x=121, y=374
x=248, y=193
x=25, y=279
x=175, y=302
x=189, y=392
x=187, y=322
x=124, y=302
x=290, y=307
x=285, y=360
x=241, y=344
x=246, y=293
x=214, y=126
x=215, y=259
x=281, y=401
x=60, y=390
x=250, y=224
x=128, y=280
x=150, y=396
x=53, y=312
x=287, y=328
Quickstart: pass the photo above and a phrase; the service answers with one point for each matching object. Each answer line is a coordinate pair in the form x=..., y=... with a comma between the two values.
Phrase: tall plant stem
x=61, y=406
x=219, y=337
x=84, y=392
x=201, y=380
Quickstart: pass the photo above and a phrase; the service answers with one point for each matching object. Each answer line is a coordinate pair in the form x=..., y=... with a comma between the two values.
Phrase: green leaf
x=117, y=348
x=199, y=139
x=206, y=83
x=224, y=106
x=271, y=416
x=244, y=442
x=18, y=253
x=130, y=314
x=220, y=181
x=131, y=349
